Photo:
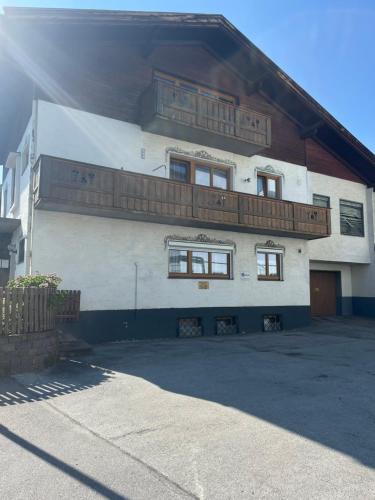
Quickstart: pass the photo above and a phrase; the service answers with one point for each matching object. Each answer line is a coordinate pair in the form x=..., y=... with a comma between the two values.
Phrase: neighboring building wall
x=20, y=208
x=338, y=247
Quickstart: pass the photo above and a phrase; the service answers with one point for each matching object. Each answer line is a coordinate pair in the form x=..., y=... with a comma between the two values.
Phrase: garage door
x=323, y=293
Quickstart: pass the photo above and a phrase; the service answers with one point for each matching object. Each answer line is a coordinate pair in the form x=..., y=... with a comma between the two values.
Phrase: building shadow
x=60, y=465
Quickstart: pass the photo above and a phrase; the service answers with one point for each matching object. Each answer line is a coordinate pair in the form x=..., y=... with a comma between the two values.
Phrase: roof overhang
x=216, y=33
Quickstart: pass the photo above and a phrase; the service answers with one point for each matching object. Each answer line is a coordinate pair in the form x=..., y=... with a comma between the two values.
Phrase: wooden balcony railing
x=173, y=111
x=65, y=185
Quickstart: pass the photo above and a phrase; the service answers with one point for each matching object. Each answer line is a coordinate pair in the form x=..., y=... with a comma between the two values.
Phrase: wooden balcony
x=172, y=111
x=68, y=186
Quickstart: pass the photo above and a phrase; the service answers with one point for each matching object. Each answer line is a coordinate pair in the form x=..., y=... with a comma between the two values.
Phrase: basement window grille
x=272, y=323
x=190, y=327
x=226, y=325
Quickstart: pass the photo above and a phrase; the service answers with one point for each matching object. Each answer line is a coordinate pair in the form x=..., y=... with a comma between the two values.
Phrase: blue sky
x=327, y=46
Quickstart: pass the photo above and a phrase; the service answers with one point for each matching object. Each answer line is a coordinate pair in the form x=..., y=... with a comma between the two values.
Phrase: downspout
x=135, y=289
x=30, y=215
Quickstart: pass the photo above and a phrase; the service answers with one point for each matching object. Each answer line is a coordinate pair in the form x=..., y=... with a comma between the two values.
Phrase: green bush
x=35, y=280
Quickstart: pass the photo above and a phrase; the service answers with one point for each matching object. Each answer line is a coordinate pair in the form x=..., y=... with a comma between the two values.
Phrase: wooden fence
x=31, y=310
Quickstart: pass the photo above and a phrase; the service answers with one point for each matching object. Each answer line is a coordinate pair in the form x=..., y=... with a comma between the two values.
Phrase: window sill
x=198, y=277
x=269, y=279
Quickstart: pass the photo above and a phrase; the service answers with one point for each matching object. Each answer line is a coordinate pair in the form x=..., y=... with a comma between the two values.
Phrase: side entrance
x=323, y=293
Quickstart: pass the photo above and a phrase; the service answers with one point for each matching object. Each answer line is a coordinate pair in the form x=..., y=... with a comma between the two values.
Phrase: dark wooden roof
x=212, y=30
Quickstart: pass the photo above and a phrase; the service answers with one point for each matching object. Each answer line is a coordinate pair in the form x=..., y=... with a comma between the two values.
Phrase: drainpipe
x=30, y=216
x=135, y=289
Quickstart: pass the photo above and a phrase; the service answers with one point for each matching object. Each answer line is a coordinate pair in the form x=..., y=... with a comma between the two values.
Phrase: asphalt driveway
x=286, y=415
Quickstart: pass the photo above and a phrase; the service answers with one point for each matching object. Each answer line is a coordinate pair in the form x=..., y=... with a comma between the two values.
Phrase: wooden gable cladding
x=108, y=77
x=287, y=144
x=321, y=161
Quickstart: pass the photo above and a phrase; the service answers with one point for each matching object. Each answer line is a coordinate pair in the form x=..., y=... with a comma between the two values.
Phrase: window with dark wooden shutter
x=351, y=218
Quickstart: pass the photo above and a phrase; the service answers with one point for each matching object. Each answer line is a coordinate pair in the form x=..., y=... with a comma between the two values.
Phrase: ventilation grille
x=272, y=323
x=226, y=325
x=189, y=327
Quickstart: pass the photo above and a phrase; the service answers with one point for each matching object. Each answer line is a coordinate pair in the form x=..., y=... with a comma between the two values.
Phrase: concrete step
x=70, y=346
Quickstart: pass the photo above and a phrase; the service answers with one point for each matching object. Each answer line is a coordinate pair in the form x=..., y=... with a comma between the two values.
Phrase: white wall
x=338, y=247
x=97, y=256
x=82, y=136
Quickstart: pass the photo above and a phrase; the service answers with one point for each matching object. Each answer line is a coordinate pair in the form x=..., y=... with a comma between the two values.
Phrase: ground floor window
x=269, y=266
x=199, y=264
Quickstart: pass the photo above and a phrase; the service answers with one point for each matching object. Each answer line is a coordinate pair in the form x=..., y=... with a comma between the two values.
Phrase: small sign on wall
x=203, y=285
x=245, y=275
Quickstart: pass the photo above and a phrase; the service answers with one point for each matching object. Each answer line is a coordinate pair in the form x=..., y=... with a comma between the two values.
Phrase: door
x=323, y=293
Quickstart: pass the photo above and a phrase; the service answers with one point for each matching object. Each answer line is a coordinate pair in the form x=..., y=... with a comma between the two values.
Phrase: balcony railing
x=68, y=186
x=170, y=110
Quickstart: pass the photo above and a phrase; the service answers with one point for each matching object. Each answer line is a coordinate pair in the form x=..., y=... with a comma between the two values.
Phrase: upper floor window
x=25, y=155
x=21, y=251
x=5, y=202
x=351, y=218
x=320, y=200
x=269, y=266
x=195, y=88
x=199, y=263
x=268, y=185
x=197, y=173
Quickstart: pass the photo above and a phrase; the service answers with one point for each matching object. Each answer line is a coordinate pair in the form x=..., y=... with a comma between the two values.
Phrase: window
x=4, y=263
x=179, y=170
x=321, y=201
x=196, y=173
x=5, y=203
x=190, y=327
x=268, y=186
x=199, y=264
x=269, y=266
x=351, y=218
x=13, y=186
x=25, y=154
x=21, y=251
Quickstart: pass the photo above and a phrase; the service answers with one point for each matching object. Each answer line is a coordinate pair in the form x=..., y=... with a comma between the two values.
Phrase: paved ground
x=284, y=416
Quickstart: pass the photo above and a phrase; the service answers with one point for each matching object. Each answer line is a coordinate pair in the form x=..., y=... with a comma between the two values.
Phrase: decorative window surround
x=268, y=169
x=201, y=155
x=199, y=241
x=269, y=247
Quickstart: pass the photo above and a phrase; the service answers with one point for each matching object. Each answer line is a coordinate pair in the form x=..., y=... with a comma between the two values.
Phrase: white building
x=165, y=167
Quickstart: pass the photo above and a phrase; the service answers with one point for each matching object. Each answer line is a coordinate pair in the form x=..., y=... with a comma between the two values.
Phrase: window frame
x=193, y=165
x=279, y=264
x=21, y=245
x=277, y=179
x=358, y=205
x=210, y=275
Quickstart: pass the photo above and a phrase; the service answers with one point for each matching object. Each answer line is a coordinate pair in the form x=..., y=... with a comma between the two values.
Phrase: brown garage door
x=323, y=293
